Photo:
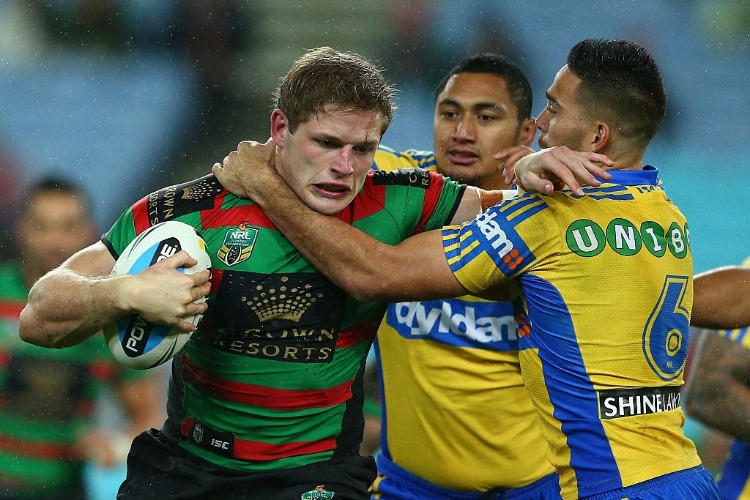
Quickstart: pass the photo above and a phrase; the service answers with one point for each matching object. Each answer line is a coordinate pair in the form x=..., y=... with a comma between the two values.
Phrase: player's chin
x=464, y=175
x=330, y=205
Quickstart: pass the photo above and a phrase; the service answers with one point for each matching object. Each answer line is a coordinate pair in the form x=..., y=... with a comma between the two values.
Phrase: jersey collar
x=648, y=175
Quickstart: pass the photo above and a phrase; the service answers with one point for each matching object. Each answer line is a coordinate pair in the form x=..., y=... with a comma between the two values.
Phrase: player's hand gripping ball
x=135, y=342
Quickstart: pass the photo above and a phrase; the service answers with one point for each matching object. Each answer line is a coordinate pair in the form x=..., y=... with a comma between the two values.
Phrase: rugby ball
x=133, y=341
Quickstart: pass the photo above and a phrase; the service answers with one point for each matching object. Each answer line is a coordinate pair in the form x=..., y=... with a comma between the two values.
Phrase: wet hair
x=54, y=184
x=498, y=65
x=621, y=83
x=323, y=77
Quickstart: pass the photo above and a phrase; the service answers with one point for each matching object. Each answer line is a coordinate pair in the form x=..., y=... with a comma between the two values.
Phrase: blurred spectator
x=21, y=36
x=208, y=33
x=211, y=32
x=214, y=35
x=371, y=438
x=47, y=397
x=117, y=83
x=9, y=197
x=93, y=24
x=428, y=38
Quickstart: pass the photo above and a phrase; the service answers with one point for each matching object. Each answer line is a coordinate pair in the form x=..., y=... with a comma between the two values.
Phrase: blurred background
x=129, y=95
x=126, y=96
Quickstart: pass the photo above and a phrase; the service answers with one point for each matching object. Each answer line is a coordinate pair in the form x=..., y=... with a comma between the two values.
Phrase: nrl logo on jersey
x=319, y=493
x=238, y=244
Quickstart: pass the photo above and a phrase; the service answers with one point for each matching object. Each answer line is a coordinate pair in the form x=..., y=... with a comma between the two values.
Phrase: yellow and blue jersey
x=389, y=159
x=607, y=292
x=734, y=480
x=451, y=387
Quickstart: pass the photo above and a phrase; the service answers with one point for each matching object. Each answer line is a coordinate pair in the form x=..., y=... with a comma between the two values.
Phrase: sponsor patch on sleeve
x=416, y=177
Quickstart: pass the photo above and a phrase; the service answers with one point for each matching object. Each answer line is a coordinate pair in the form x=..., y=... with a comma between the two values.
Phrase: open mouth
x=333, y=190
x=462, y=157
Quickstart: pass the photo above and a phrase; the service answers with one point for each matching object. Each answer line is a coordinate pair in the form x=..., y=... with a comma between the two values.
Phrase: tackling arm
x=366, y=268
x=369, y=270
x=722, y=298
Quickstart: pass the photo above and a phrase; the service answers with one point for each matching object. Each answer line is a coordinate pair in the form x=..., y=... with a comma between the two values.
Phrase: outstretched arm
x=414, y=270
x=721, y=298
x=366, y=268
x=71, y=303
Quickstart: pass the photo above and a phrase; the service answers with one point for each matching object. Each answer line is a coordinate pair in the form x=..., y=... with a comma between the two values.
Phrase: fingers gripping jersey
x=452, y=388
x=607, y=287
x=272, y=377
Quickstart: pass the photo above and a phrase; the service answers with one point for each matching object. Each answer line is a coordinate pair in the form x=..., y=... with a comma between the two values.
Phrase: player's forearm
x=707, y=402
x=367, y=269
x=354, y=268
x=65, y=308
x=720, y=372
x=250, y=172
x=736, y=422
x=722, y=298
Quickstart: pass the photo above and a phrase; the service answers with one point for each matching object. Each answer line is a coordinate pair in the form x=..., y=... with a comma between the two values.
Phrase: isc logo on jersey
x=457, y=322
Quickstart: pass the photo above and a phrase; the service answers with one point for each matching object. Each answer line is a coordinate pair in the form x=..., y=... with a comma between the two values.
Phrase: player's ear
x=279, y=127
x=528, y=132
x=601, y=138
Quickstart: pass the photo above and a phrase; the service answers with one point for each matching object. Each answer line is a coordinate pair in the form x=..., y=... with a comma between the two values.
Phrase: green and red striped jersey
x=273, y=375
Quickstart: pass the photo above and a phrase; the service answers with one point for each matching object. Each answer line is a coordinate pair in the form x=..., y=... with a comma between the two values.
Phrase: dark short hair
x=518, y=84
x=324, y=76
x=621, y=83
x=52, y=183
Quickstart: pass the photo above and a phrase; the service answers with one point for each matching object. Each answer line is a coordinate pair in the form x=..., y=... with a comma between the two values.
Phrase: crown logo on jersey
x=201, y=190
x=281, y=301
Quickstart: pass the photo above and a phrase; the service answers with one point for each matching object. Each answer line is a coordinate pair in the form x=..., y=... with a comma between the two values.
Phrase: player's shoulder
x=180, y=199
x=409, y=177
x=206, y=187
x=388, y=159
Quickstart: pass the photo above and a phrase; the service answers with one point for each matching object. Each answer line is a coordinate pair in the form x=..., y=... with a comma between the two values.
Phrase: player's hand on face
x=508, y=158
x=555, y=167
x=244, y=171
x=162, y=294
